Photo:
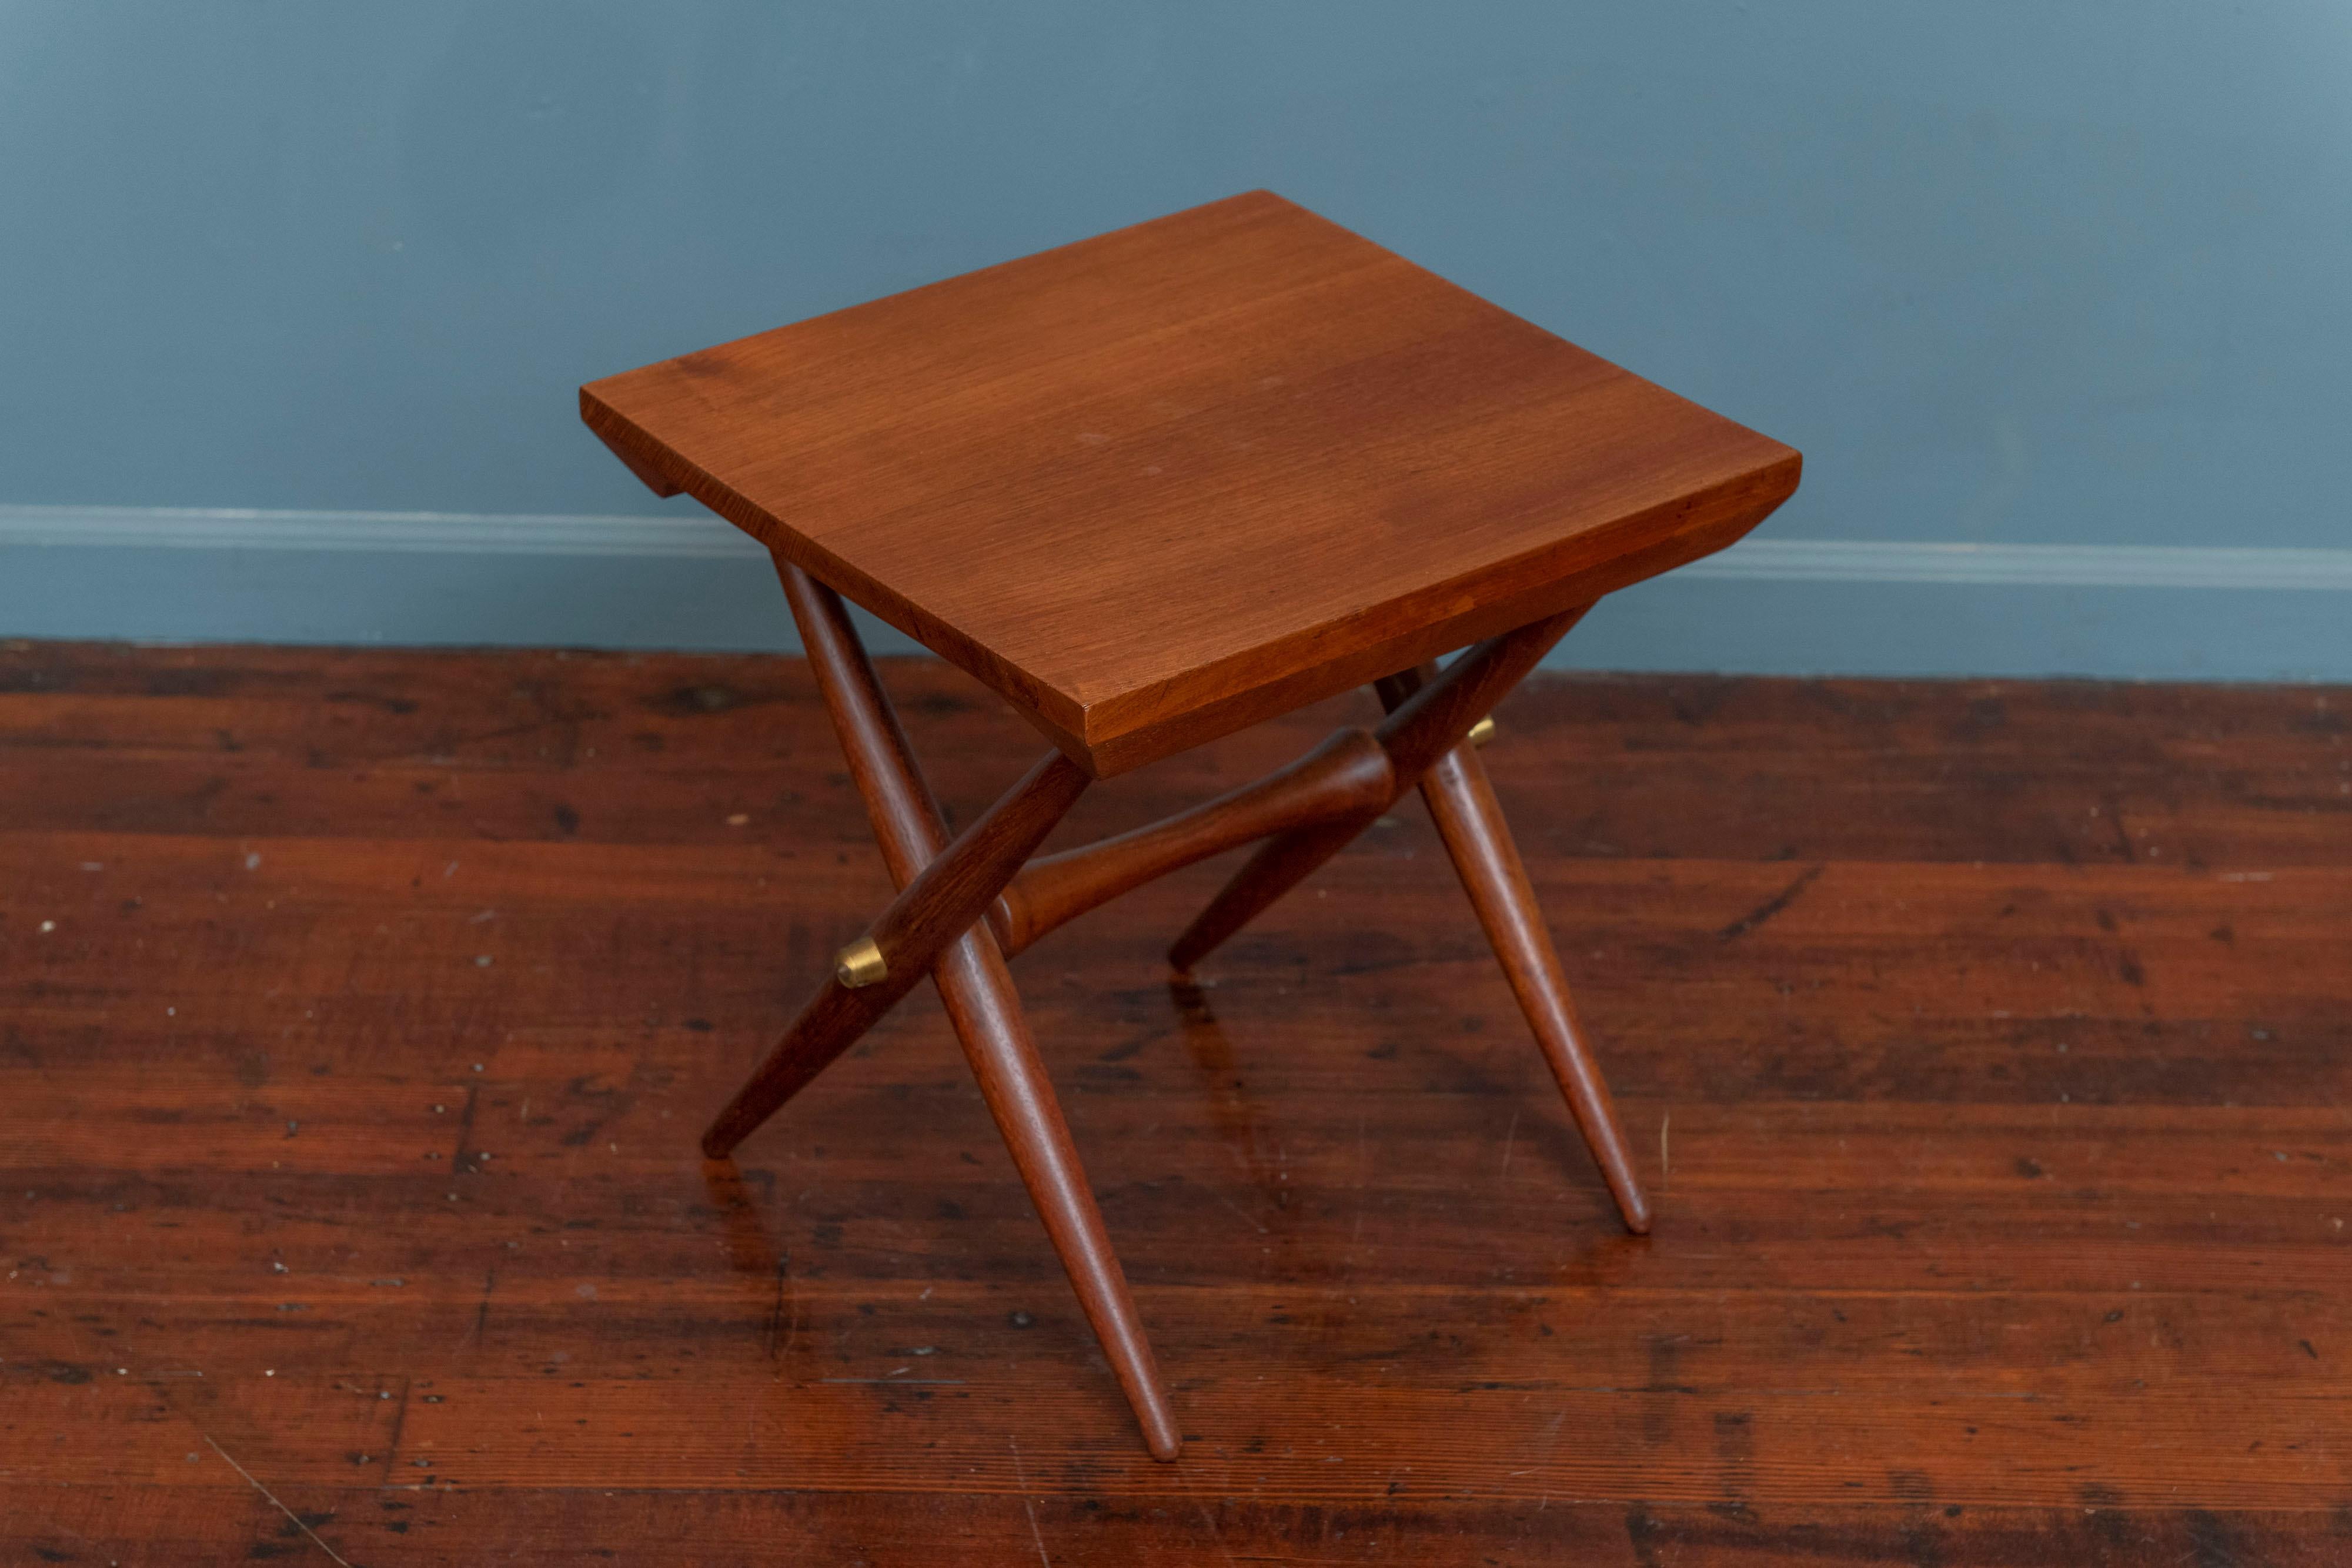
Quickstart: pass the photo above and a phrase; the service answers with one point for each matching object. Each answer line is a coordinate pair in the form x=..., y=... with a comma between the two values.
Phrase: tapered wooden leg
x=980, y=1002
x=1429, y=713
x=986, y=1011
x=1470, y=824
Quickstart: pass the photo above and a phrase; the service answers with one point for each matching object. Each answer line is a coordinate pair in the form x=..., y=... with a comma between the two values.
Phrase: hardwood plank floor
x=1989, y=1048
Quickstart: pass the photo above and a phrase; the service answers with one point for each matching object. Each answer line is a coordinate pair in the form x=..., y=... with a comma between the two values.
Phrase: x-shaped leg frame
x=963, y=907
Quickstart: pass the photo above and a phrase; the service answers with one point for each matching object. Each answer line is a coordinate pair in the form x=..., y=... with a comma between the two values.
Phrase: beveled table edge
x=1129, y=729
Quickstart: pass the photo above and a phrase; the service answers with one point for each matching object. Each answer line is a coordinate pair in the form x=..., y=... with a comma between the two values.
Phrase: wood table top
x=1162, y=484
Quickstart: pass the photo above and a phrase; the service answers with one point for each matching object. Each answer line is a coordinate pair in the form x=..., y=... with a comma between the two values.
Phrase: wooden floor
x=1989, y=1047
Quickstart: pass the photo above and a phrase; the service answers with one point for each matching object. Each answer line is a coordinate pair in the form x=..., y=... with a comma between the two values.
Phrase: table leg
x=982, y=1003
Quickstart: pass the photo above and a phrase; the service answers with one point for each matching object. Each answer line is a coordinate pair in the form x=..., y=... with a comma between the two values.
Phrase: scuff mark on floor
x=265, y=1493
x=1027, y=1506
x=1768, y=908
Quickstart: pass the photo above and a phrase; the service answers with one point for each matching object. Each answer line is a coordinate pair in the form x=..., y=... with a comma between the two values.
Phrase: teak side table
x=1151, y=488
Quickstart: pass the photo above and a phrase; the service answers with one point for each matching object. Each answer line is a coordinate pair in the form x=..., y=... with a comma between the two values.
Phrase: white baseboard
x=704, y=537
x=695, y=537
x=2027, y=566
x=691, y=582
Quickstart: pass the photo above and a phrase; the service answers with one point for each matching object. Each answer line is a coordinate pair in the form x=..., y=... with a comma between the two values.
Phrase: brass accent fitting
x=1482, y=732
x=860, y=964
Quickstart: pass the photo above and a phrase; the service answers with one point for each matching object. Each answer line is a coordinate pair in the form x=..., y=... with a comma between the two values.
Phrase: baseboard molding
x=690, y=581
x=684, y=538
x=702, y=538
x=2030, y=566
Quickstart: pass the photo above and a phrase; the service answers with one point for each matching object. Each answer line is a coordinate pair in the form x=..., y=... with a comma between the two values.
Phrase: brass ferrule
x=860, y=964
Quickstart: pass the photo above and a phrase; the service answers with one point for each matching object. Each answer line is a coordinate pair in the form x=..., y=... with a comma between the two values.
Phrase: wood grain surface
x=1163, y=483
x=1986, y=1048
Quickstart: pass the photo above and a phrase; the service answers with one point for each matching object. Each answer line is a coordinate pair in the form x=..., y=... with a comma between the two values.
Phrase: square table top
x=1162, y=484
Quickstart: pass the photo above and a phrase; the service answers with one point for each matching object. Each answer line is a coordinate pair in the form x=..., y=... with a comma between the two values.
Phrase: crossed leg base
x=964, y=906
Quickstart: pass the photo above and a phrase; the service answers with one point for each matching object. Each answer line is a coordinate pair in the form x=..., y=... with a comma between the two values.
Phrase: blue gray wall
x=276, y=277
